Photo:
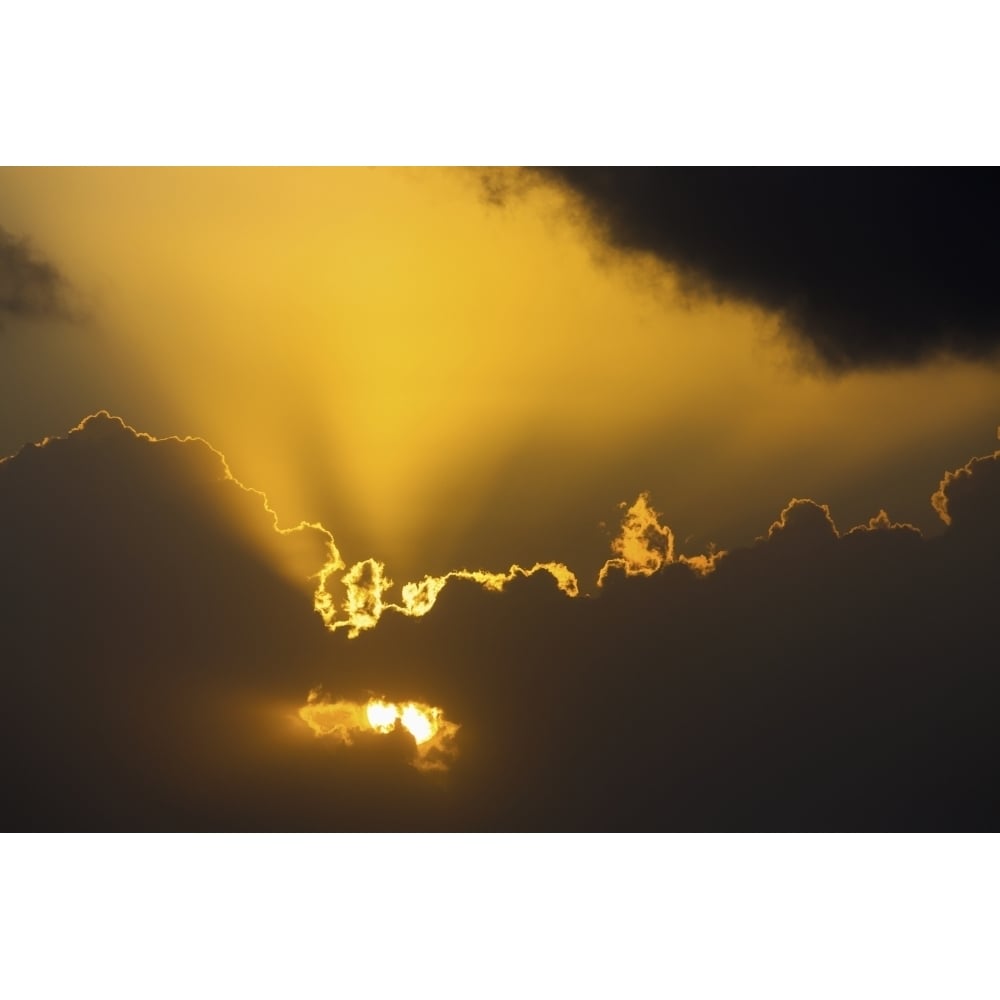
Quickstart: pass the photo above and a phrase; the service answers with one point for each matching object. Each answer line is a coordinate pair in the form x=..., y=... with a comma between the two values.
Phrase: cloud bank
x=160, y=645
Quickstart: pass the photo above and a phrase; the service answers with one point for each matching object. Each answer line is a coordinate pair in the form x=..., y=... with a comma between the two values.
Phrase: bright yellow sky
x=446, y=382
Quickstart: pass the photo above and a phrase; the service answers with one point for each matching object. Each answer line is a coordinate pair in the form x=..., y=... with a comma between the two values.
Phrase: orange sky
x=447, y=382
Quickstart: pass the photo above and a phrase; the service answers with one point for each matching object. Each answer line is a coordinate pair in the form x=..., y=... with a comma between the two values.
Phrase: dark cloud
x=157, y=647
x=866, y=267
x=30, y=287
x=817, y=680
x=156, y=651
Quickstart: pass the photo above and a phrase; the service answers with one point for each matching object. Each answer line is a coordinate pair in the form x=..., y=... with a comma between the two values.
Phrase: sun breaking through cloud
x=433, y=734
x=168, y=597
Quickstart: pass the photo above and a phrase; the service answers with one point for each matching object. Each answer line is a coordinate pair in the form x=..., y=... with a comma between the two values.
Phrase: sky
x=159, y=639
x=499, y=499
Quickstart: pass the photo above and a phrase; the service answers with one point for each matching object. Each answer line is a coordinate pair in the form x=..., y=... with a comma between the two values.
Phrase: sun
x=381, y=716
x=420, y=721
x=433, y=734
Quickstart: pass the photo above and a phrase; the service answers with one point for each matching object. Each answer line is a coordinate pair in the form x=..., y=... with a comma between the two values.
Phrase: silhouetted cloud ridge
x=159, y=643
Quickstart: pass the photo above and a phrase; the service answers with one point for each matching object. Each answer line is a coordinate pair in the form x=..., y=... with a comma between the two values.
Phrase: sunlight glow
x=433, y=735
x=419, y=723
x=381, y=716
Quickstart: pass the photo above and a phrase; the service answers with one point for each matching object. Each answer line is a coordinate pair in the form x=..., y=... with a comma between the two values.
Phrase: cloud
x=970, y=494
x=433, y=735
x=366, y=584
x=644, y=545
x=30, y=286
x=817, y=679
x=158, y=638
x=866, y=268
x=804, y=524
x=162, y=661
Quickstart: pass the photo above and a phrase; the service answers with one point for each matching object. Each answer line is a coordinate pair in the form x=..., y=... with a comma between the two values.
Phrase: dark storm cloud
x=154, y=659
x=866, y=267
x=816, y=680
x=30, y=286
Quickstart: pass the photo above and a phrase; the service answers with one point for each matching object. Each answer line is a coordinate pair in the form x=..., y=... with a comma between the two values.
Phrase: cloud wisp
x=31, y=287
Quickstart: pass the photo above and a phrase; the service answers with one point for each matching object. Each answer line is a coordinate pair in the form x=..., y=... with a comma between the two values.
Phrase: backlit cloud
x=366, y=583
x=644, y=545
x=164, y=668
x=970, y=492
x=446, y=391
x=433, y=735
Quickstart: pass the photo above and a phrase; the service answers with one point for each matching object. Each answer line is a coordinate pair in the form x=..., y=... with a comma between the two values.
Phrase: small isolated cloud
x=30, y=286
